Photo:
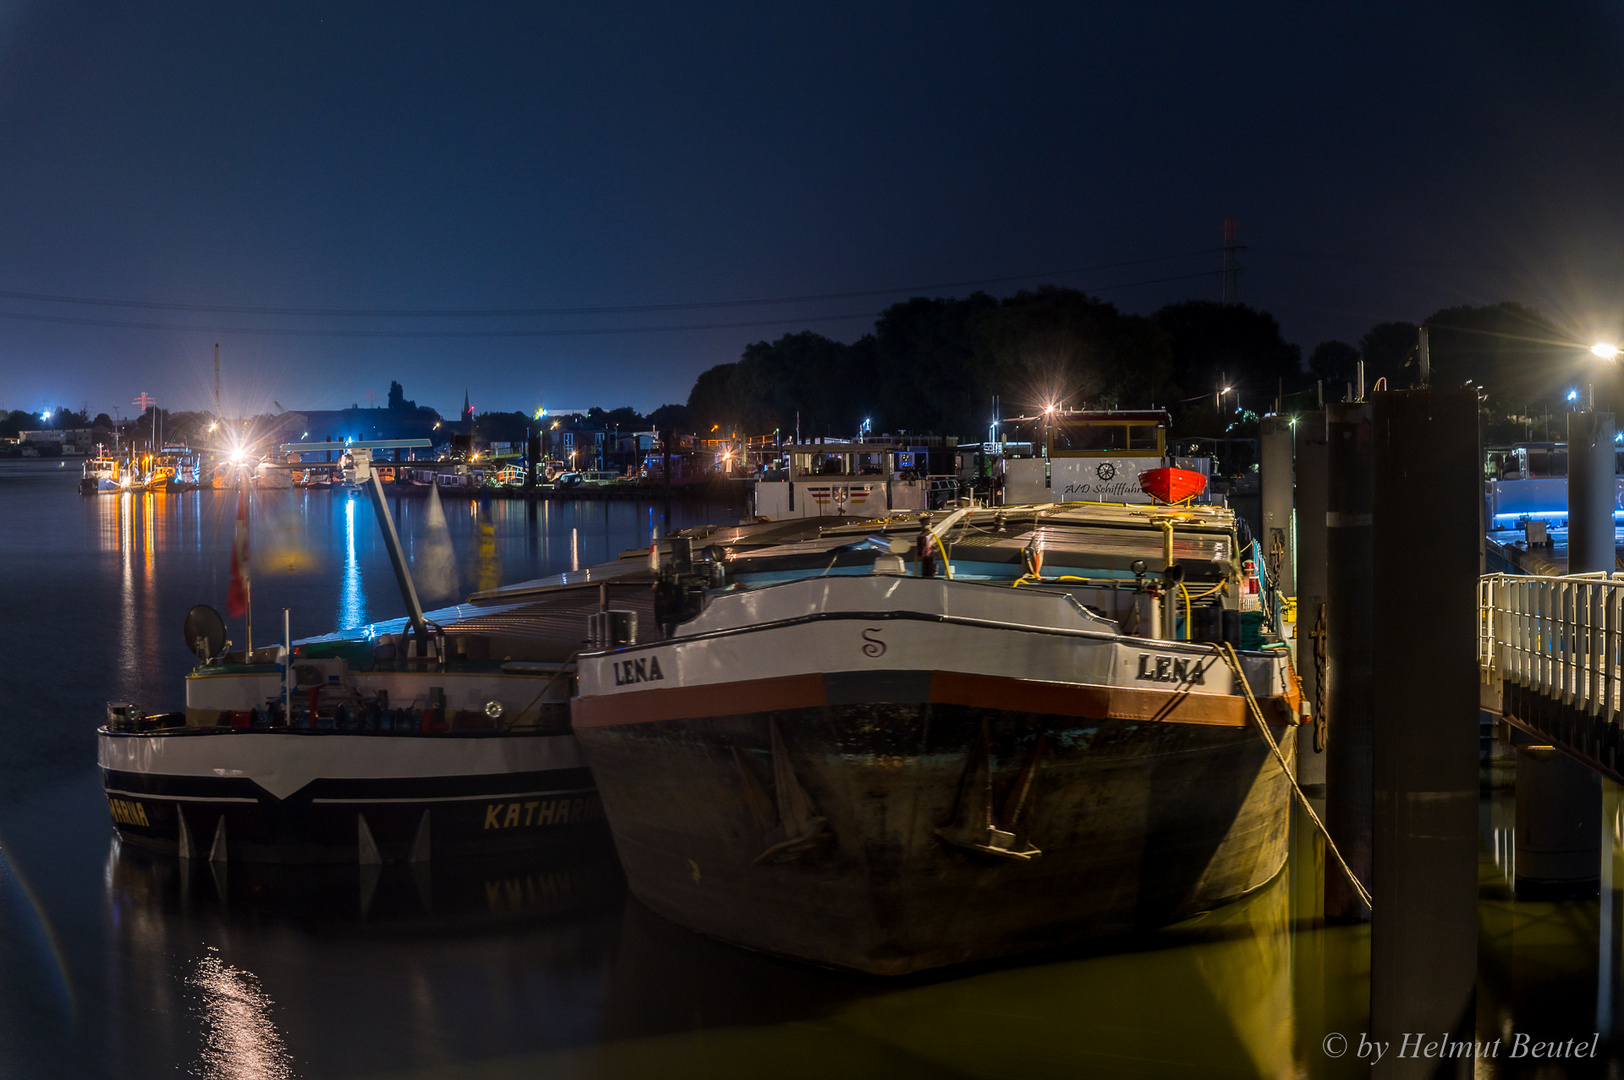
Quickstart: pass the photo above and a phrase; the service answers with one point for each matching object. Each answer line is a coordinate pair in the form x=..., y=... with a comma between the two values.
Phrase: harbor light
x=1573, y=395
x=1605, y=351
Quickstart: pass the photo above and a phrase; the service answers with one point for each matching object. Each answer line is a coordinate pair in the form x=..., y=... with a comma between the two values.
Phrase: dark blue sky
x=1383, y=161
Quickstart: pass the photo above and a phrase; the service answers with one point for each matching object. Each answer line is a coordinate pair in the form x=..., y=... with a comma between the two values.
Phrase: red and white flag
x=237, y=596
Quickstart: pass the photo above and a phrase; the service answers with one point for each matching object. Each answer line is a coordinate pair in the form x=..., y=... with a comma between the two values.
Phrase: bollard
x=1426, y=464
x=1348, y=794
x=1311, y=586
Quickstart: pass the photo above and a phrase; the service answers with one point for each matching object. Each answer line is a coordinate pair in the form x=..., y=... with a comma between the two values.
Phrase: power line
x=289, y=331
x=618, y=309
x=1373, y=260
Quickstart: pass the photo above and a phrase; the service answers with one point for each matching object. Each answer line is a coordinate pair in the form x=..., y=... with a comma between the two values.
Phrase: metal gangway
x=1551, y=660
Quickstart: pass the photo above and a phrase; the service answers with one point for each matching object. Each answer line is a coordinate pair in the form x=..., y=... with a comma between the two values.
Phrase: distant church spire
x=467, y=409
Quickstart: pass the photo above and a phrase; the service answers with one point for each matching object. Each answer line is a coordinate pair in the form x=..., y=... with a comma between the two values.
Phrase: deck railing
x=1561, y=637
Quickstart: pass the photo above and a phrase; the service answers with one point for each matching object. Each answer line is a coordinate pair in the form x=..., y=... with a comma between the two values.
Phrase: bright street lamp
x=1605, y=351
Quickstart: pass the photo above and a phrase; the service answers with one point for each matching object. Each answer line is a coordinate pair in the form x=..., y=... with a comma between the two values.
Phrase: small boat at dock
x=103, y=475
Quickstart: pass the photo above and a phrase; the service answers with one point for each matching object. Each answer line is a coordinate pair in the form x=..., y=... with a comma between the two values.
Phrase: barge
x=907, y=744
x=444, y=733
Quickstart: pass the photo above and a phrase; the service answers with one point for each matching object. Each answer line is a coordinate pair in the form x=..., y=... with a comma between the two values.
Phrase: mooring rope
x=1227, y=651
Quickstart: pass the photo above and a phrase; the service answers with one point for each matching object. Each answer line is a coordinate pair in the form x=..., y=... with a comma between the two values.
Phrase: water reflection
x=442, y=963
x=436, y=570
x=135, y=528
x=352, y=601
x=240, y=1041
x=1547, y=969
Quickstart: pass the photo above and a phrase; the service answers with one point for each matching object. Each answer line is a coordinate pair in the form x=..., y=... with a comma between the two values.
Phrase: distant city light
x=1573, y=395
x=1605, y=351
x=46, y=415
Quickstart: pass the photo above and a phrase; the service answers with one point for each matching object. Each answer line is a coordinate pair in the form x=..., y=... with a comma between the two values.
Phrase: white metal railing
x=1560, y=636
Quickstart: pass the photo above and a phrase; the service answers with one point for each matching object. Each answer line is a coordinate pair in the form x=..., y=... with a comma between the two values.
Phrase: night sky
x=1384, y=161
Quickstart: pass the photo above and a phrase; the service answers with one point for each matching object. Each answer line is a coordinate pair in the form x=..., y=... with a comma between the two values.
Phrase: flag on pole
x=237, y=596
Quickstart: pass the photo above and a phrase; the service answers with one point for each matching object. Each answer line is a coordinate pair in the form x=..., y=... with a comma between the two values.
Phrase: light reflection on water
x=240, y=1040
x=352, y=600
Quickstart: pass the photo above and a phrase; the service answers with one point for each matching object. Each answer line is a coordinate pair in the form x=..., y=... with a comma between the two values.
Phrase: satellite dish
x=203, y=622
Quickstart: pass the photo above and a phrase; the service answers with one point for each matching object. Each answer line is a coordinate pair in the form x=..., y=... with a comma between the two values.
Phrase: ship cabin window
x=872, y=464
x=1545, y=461
x=1089, y=437
x=1499, y=464
x=841, y=464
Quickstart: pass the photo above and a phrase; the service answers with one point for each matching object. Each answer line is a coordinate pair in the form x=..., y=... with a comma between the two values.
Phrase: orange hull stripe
x=1096, y=702
x=692, y=702
x=946, y=688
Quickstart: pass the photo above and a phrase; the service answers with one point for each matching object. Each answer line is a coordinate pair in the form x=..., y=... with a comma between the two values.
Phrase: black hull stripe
x=401, y=789
x=372, y=801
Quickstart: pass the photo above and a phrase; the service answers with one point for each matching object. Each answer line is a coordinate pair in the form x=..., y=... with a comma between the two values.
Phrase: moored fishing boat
x=103, y=475
x=445, y=731
x=829, y=751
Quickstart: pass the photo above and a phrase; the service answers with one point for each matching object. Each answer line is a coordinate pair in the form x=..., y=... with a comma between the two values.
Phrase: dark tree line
x=935, y=365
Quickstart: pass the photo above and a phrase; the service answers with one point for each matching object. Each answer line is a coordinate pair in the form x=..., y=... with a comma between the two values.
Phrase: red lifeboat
x=1172, y=485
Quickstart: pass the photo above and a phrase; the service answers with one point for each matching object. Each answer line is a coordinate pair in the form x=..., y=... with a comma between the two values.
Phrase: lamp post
x=1606, y=351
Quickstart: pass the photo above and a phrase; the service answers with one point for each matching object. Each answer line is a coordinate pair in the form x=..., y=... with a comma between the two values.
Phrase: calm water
x=114, y=963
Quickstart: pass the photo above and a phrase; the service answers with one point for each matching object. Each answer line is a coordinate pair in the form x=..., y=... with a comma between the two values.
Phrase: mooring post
x=532, y=457
x=1558, y=841
x=1426, y=512
x=1591, y=456
x=1348, y=791
x=1311, y=997
x=1275, y=481
x=1311, y=587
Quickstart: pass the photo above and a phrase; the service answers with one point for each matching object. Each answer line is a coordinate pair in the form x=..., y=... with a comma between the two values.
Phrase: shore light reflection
x=352, y=599
x=240, y=1042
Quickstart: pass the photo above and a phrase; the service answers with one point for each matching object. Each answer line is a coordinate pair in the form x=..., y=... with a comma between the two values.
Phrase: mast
x=217, y=380
x=247, y=583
